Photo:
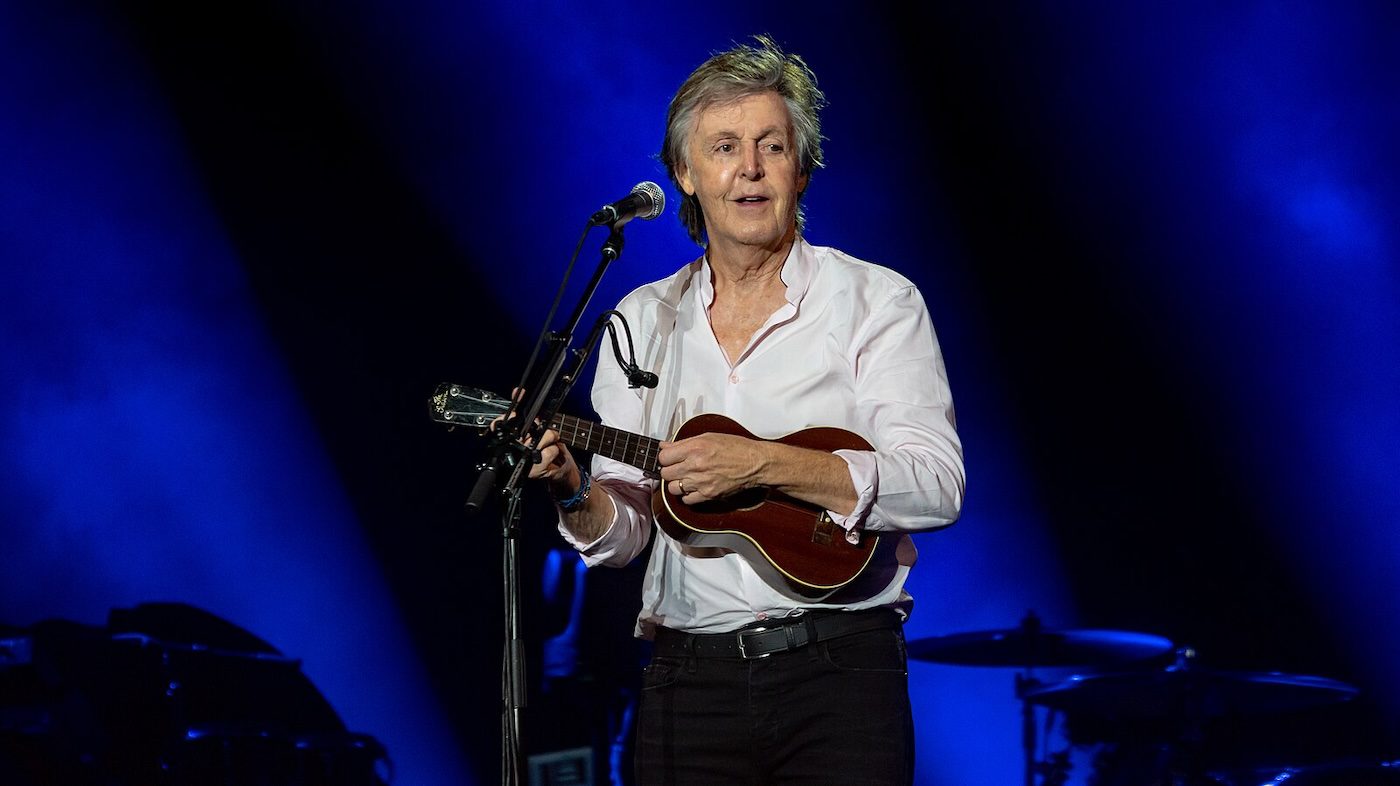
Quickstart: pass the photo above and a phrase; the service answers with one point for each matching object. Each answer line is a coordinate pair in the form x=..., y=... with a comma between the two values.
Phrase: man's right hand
x=556, y=466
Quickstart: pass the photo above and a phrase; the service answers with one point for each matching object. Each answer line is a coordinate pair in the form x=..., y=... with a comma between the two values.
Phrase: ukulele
x=787, y=541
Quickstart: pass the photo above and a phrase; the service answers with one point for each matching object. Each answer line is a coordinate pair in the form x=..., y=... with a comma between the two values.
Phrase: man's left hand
x=711, y=466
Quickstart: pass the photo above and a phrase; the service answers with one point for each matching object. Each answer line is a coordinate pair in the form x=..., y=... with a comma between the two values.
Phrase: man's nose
x=753, y=163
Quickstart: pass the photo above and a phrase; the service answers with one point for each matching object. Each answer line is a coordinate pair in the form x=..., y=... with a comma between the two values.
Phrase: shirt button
x=733, y=379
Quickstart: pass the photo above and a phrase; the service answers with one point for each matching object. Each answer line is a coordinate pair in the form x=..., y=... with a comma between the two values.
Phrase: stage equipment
x=646, y=202
x=1187, y=694
x=167, y=695
x=543, y=386
x=1031, y=646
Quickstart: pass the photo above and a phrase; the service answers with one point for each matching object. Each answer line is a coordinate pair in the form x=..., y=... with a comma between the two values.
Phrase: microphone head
x=656, y=196
x=638, y=378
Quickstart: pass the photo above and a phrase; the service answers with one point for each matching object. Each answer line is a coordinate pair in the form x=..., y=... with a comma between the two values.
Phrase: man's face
x=742, y=166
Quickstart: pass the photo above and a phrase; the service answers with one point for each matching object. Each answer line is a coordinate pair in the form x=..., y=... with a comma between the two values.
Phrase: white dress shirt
x=853, y=347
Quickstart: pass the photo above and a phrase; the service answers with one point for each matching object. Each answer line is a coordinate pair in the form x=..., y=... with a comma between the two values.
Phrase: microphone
x=645, y=202
x=639, y=378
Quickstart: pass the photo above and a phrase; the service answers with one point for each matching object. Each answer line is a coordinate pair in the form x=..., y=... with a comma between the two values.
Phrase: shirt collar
x=796, y=274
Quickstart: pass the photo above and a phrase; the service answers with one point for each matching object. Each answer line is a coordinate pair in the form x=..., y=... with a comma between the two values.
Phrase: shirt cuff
x=598, y=549
x=866, y=479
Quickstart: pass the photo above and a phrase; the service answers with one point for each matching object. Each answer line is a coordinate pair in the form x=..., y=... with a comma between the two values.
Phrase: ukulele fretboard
x=616, y=444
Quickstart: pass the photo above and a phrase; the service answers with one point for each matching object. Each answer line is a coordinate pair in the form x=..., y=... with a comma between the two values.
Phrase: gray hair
x=727, y=77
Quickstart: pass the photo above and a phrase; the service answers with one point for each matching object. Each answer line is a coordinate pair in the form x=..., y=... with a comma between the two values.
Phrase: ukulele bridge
x=824, y=531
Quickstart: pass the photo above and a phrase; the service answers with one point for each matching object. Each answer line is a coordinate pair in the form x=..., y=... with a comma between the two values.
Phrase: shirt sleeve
x=914, y=478
x=626, y=486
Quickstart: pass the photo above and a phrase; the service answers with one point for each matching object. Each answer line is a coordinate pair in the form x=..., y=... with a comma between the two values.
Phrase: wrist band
x=581, y=496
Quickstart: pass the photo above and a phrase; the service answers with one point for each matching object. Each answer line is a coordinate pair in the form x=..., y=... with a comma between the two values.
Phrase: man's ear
x=683, y=178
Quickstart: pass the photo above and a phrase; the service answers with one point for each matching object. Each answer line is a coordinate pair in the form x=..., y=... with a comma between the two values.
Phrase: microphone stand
x=508, y=448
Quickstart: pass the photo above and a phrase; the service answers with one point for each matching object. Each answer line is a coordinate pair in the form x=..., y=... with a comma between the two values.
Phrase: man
x=752, y=682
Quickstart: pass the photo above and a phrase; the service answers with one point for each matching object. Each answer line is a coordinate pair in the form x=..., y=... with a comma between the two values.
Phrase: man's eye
x=774, y=147
x=724, y=147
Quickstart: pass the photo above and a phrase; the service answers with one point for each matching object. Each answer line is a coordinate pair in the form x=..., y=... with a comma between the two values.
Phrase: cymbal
x=1187, y=692
x=1031, y=646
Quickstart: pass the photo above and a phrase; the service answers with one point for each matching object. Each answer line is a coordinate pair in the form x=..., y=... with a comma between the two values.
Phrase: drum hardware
x=1155, y=720
x=1152, y=721
x=168, y=694
x=1030, y=646
x=1187, y=693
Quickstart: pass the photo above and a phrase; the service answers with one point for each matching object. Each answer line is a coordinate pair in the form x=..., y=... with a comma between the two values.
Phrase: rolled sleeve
x=629, y=491
x=864, y=478
x=917, y=480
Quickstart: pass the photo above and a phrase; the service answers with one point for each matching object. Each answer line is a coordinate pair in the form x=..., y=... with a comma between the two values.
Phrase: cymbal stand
x=1053, y=773
x=1025, y=683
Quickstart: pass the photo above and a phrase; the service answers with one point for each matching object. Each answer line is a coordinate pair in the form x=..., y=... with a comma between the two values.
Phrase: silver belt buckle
x=743, y=652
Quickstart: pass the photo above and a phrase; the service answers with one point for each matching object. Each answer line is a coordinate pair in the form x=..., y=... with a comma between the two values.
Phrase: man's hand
x=556, y=465
x=586, y=522
x=711, y=466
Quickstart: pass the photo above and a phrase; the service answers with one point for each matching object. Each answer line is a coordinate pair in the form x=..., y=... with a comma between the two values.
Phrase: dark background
x=245, y=242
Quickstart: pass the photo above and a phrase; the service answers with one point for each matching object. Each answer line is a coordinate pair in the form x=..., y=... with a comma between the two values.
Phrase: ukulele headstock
x=460, y=405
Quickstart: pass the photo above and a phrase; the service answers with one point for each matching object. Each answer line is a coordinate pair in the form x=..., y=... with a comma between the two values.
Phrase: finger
x=671, y=453
x=547, y=458
x=552, y=461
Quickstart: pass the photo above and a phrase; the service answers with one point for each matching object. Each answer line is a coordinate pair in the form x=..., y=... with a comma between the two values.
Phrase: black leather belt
x=765, y=638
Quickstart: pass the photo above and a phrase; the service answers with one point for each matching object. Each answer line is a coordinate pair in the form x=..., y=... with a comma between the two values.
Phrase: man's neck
x=748, y=269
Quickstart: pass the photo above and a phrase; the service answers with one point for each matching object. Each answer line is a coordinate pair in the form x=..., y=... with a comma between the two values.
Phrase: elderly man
x=755, y=679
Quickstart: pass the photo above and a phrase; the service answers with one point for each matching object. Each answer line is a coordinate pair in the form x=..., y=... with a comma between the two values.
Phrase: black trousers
x=833, y=712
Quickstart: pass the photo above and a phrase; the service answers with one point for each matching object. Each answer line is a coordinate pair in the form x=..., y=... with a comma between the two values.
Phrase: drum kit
x=1151, y=725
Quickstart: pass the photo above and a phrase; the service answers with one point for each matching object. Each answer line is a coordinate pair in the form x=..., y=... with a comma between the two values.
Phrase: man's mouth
x=751, y=200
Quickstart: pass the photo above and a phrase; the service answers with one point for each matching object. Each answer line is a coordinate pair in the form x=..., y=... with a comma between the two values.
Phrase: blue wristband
x=581, y=496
